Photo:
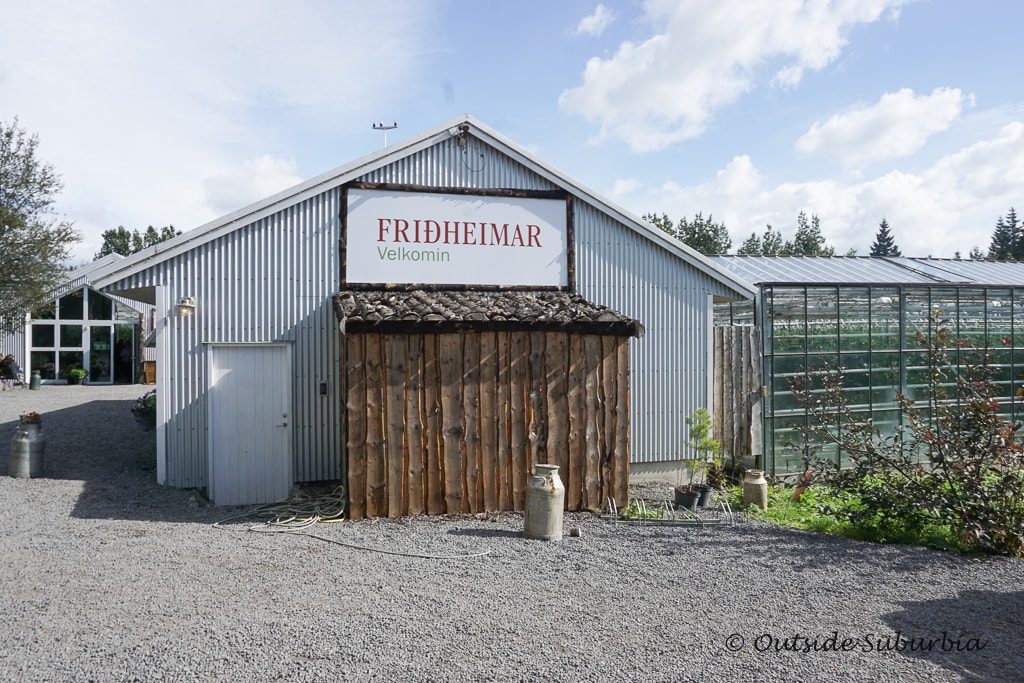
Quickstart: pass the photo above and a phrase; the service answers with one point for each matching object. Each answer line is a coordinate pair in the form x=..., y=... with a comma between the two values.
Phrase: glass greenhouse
x=862, y=316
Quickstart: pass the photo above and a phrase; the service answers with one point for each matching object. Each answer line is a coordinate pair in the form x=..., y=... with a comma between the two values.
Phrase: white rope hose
x=295, y=514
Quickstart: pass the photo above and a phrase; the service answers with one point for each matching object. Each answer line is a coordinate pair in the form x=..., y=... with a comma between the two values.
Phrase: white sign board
x=395, y=237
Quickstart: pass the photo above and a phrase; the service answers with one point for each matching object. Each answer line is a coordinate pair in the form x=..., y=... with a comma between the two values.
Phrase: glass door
x=101, y=354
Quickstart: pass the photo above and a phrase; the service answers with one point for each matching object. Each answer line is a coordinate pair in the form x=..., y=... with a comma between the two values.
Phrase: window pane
x=885, y=319
x=99, y=354
x=71, y=306
x=788, y=319
x=998, y=307
x=47, y=312
x=42, y=334
x=127, y=313
x=71, y=335
x=100, y=307
x=853, y=319
x=970, y=322
x=44, y=362
x=822, y=319
x=69, y=360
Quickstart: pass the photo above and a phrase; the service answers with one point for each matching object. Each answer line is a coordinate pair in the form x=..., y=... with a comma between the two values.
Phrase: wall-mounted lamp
x=186, y=305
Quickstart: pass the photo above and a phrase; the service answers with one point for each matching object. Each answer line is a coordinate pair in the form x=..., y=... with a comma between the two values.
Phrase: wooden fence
x=736, y=414
x=452, y=423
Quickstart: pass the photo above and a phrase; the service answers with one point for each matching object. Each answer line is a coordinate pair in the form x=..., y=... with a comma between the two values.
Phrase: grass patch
x=821, y=509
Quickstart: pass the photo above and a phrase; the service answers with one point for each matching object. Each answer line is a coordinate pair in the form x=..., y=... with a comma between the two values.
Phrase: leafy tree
x=35, y=242
x=121, y=241
x=701, y=233
x=976, y=254
x=884, y=244
x=808, y=239
x=704, y=235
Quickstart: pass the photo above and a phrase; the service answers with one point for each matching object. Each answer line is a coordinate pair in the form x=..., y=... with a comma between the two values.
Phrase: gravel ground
x=108, y=576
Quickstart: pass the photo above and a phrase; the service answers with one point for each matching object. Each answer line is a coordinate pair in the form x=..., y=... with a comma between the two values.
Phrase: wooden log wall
x=453, y=423
x=736, y=410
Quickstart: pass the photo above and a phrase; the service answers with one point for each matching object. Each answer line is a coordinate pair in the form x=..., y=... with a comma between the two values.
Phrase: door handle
x=283, y=424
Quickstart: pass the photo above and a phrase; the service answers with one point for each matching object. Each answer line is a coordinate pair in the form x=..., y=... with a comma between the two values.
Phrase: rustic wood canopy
x=424, y=311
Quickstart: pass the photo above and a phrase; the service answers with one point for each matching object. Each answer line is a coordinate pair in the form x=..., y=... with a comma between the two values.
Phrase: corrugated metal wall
x=272, y=281
x=14, y=343
x=617, y=267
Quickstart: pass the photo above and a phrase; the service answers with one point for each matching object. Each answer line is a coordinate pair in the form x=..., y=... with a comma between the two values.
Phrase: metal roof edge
x=347, y=172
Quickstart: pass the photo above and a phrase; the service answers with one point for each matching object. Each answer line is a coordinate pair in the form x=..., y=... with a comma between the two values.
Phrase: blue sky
x=753, y=111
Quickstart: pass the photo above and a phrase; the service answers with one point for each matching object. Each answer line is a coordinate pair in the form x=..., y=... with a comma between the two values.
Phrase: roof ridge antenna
x=380, y=125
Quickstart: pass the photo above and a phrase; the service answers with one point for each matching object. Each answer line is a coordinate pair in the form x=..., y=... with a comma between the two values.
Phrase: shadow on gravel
x=994, y=620
x=100, y=444
x=486, y=533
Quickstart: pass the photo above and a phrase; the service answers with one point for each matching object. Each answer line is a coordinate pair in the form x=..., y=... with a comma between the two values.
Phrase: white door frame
x=288, y=401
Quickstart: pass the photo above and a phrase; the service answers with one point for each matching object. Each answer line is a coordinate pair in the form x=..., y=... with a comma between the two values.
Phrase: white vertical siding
x=272, y=281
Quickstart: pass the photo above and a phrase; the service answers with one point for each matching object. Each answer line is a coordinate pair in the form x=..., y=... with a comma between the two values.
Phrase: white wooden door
x=250, y=458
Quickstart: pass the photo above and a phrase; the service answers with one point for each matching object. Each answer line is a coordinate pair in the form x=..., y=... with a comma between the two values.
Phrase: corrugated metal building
x=266, y=273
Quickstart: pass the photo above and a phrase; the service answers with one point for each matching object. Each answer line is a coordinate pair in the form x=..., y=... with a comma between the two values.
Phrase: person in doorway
x=10, y=373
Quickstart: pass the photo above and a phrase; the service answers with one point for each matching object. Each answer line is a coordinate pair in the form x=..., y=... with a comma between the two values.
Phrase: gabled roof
x=351, y=171
x=868, y=270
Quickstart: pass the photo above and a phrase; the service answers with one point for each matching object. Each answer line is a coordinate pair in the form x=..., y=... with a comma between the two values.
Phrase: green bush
x=145, y=409
x=955, y=467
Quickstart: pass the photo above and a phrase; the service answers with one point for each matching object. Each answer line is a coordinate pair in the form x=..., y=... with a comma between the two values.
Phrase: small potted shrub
x=698, y=490
x=76, y=375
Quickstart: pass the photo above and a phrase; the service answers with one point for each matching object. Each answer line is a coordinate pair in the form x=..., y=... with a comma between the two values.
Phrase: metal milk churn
x=545, y=501
x=27, y=446
x=755, y=489
x=36, y=380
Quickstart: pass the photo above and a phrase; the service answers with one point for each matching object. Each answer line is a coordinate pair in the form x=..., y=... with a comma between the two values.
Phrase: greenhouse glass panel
x=885, y=319
x=971, y=318
x=788, y=317
x=915, y=317
x=885, y=379
x=1018, y=318
x=822, y=319
x=854, y=312
x=999, y=314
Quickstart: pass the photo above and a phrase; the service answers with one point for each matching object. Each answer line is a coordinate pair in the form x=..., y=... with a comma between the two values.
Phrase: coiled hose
x=295, y=514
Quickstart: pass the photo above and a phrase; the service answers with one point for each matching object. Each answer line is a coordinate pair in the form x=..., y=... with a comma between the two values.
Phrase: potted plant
x=76, y=375
x=697, y=490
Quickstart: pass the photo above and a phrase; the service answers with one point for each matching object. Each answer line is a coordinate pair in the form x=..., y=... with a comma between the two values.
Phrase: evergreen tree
x=771, y=243
x=976, y=254
x=808, y=239
x=1002, y=245
x=751, y=246
x=1013, y=224
x=884, y=244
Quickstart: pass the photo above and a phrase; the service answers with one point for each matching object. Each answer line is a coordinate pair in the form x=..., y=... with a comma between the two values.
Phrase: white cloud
x=896, y=126
x=705, y=55
x=948, y=207
x=139, y=105
x=595, y=24
x=253, y=180
x=624, y=187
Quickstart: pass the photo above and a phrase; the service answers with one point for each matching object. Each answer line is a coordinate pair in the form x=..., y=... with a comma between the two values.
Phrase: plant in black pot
x=76, y=375
x=698, y=490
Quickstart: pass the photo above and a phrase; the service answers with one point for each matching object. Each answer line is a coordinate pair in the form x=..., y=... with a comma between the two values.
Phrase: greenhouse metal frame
x=869, y=332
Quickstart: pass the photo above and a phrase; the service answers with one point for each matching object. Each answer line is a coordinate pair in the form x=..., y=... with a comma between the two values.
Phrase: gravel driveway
x=108, y=576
